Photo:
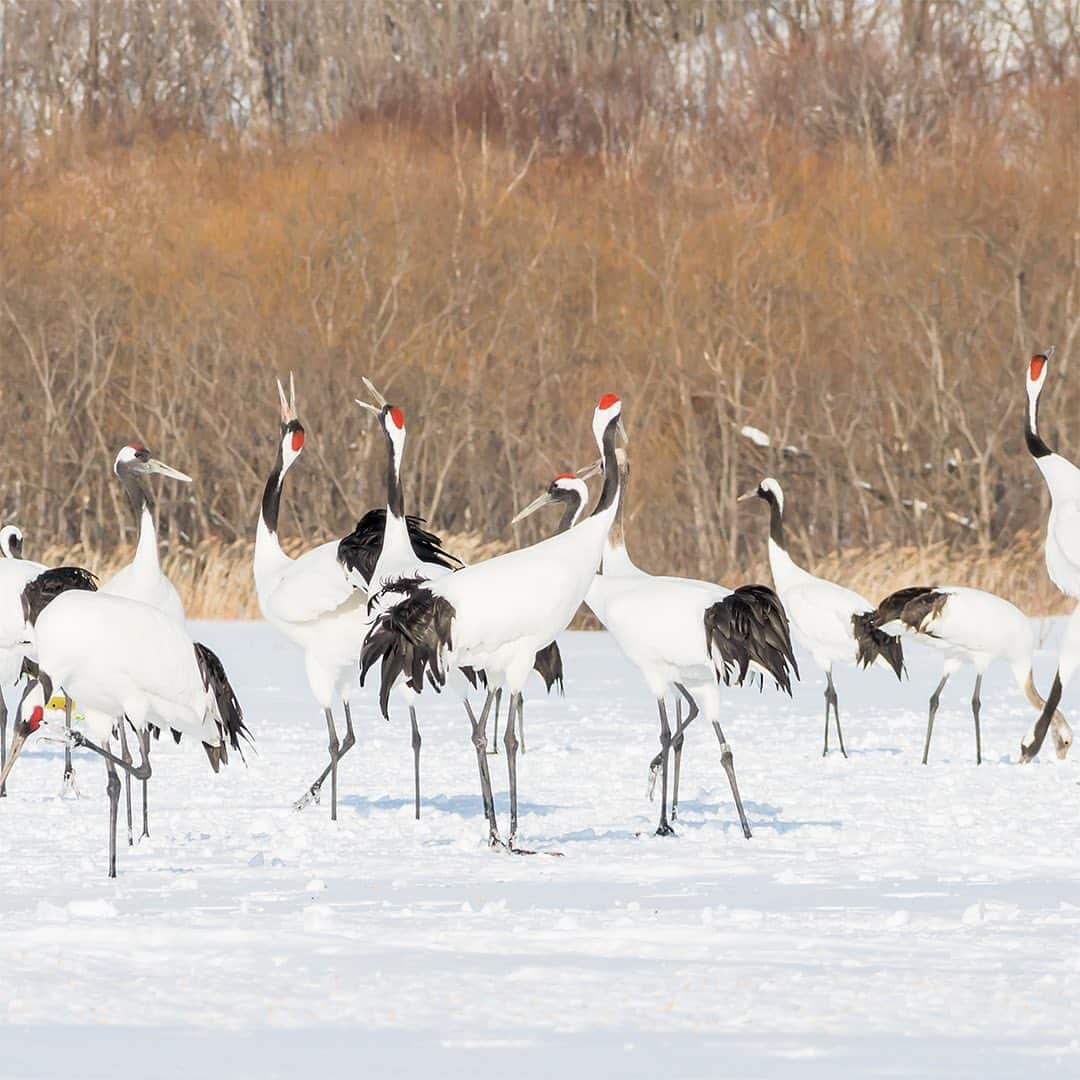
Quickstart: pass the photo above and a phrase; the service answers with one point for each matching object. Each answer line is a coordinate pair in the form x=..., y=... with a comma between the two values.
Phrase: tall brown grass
x=214, y=579
x=853, y=247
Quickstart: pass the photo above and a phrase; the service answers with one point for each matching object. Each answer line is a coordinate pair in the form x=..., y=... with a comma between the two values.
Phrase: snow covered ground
x=886, y=919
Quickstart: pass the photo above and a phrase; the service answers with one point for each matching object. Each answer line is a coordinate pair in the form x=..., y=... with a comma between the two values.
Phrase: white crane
x=15, y=573
x=311, y=600
x=571, y=493
x=829, y=621
x=969, y=626
x=142, y=579
x=684, y=636
x=1062, y=549
x=495, y=615
x=1063, y=482
x=397, y=556
x=120, y=658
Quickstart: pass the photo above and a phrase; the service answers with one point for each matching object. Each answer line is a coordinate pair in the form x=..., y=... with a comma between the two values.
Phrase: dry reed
x=214, y=579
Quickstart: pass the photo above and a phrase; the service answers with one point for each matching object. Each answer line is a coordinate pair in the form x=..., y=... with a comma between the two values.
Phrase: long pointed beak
x=588, y=471
x=380, y=401
x=159, y=467
x=13, y=753
x=286, y=412
x=622, y=431
x=368, y=405
x=535, y=505
x=751, y=494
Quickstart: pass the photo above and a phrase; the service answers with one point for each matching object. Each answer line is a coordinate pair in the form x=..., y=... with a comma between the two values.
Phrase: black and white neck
x=784, y=571
x=393, y=424
x=606, y=425
x=290, y=445
x=11, y=542
x=616, y=558
x=1036, y=378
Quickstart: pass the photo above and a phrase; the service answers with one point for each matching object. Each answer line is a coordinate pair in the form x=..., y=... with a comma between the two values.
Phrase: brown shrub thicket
x=843, y=225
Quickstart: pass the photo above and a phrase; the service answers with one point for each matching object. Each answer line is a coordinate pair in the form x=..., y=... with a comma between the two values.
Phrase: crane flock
x=388, y=603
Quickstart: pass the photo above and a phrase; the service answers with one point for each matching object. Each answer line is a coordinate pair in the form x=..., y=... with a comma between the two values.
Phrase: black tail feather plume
x=47, y=586
x=871, y=642
x=750, y=626
x=548, y=666
x=360, y=550
x=408, y=639
x=916, y=607
x=477, y=677
x=230, y=714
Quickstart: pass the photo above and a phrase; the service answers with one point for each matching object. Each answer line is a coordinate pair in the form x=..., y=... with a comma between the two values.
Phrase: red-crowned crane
x=1062, y=550
x=685, y=636
x=142, y=579
x=397, y=557
x=15, y=573
x=311, y=600
x=120, y=658
x=828, y=620
x=968, y=626
x=495, y=615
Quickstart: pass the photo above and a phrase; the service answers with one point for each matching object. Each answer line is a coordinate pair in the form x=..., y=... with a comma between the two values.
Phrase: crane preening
x=969, y=626
x=494, y=616
x=121, y=658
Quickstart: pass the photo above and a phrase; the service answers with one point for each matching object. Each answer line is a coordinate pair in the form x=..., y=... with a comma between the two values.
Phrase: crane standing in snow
x=494, y=616
x=831, y=622
x=968, y=626
x=396, y=557
x=143, y=580
x=120, y=658
x=15, y=573
x=686, y=636
x=1062, y=550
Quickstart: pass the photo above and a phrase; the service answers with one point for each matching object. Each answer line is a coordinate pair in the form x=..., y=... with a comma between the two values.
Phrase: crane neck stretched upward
x=1035, y=444
x=271, y=500
x=291, y=436
x=395, y=496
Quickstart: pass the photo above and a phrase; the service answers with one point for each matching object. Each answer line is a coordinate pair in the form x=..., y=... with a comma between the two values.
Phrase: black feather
x=871, y=642
x=359, y=551
x=750, y=626
x=548, y=665
x=914, y=606
x=407, y=639
x=230, y=716
x=476, y=676
x=47, y=586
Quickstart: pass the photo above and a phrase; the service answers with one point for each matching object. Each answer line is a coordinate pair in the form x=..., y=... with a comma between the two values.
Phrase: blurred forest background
x=838, y=227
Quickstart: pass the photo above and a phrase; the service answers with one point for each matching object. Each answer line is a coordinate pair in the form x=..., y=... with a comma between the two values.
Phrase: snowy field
x=886, y=919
